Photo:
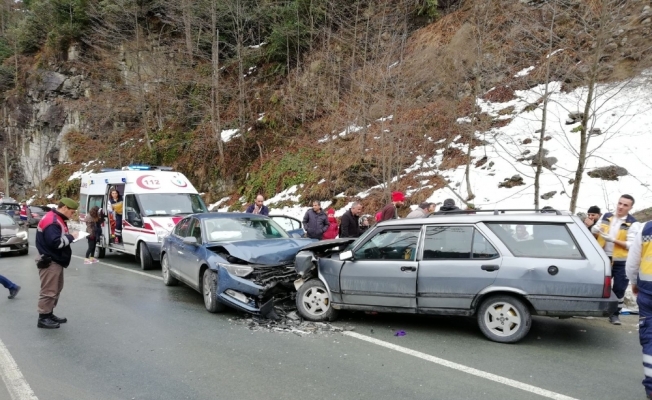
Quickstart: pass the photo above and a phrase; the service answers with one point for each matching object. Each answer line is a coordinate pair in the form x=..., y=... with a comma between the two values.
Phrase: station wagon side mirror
x=190, y=240
x=346, y=255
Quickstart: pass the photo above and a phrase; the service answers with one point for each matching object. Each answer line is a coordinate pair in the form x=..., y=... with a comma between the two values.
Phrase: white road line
x=125, y=269
x=119, y=267
x=15, y=382
x=462, y=368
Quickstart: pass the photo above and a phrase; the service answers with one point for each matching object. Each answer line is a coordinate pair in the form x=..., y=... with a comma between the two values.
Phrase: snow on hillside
x=623, y=117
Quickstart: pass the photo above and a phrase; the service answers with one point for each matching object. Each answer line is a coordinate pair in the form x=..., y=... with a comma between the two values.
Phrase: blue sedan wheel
x=209, y=291
x=168, y=279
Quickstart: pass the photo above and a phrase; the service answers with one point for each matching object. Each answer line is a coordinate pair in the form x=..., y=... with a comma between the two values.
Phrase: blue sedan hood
x=265, y=251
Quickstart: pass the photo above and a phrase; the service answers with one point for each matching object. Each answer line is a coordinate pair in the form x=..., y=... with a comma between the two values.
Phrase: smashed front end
x=255, y=292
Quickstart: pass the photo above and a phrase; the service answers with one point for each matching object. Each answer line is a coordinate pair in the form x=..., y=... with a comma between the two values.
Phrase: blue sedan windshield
x=246, y=228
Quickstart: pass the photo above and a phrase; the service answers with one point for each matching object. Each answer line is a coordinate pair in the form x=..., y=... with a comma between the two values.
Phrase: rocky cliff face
x=36, y=121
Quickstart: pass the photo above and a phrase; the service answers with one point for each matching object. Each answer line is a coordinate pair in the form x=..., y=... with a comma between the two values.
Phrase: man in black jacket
x=53, y=243
x=315, y=222
x=350, y=227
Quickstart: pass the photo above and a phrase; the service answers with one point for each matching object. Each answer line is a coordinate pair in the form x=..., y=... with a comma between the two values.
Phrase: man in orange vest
x=616, y=233
x=639, y=270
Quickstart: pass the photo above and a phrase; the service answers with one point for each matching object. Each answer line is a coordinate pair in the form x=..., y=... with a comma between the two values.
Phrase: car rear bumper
x=554, y=306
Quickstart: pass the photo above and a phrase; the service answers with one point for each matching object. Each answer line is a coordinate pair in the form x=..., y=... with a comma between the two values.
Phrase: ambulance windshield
x=168, y=204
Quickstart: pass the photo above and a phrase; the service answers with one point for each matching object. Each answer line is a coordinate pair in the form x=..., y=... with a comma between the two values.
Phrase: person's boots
x=45, y=321
x=13, y=292
x=58, y=319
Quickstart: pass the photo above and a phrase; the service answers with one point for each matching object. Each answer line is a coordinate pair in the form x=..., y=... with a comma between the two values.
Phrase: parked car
x=35, y=214
x=499, y=267
x=293, y=226
x=233, y=259
x=10, y=207
x=14, y=237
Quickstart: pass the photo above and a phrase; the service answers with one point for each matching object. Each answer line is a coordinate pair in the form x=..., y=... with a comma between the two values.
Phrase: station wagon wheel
x=504, y=319
x=168, y=279
x=314, y=303
x=209, y=291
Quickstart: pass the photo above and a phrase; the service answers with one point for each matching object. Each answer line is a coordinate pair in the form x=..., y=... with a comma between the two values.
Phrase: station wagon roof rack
x=497, y=211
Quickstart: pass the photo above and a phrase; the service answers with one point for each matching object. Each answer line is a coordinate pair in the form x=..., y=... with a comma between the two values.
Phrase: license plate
x=4, y=249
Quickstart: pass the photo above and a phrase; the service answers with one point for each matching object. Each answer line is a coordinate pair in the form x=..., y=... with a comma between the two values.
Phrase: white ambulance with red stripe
x=154, y=200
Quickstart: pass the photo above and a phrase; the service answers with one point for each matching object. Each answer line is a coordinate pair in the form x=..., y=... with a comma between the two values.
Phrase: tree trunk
x=187, y=25
x=215, y=87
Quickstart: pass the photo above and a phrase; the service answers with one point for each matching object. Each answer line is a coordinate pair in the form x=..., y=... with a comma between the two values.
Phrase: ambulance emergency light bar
x=143, y=167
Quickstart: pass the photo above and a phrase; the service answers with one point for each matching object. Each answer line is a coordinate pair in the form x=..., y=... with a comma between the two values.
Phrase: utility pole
x=6, y=173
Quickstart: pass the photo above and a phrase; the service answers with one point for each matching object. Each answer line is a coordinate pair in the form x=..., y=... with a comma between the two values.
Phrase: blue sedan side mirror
x=190, y=240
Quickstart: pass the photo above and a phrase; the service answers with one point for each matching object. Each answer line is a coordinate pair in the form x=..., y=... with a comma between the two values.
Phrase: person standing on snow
x=315, y=222
x=331, y=232
x=616, y=233
x=258, y=207
x=639, y=270
x=390, y=211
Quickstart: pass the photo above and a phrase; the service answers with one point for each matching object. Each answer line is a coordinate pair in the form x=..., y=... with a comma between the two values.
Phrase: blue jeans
x=644, y=302
x=7, y=283
x=620, y=283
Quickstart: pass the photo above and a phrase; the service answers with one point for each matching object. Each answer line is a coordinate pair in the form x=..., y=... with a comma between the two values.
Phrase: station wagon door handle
x=490, y=267
x=408, y=268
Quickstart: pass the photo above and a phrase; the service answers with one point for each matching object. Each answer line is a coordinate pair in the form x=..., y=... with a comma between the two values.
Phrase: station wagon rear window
x=537, y=240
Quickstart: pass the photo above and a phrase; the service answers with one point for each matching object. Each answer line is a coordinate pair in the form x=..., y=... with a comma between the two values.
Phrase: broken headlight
x=238, y=270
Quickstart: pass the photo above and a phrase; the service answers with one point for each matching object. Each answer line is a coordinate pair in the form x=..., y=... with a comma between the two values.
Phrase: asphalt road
x=130, y=337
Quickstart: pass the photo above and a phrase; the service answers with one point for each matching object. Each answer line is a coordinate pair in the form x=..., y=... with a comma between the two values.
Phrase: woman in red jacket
x=331, y=232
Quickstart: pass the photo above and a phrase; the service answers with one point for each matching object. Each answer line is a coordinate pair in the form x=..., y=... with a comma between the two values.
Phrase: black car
x=13, y=235
x=35, y=213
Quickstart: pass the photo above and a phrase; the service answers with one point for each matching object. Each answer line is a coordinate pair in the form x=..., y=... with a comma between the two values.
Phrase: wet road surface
x=130, y=337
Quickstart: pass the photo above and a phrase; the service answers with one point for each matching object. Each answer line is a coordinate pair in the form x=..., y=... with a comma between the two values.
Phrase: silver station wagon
x=501, y=266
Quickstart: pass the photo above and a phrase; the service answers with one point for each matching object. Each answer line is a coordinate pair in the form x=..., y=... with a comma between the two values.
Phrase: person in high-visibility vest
x=615, y=233
x=639, y=270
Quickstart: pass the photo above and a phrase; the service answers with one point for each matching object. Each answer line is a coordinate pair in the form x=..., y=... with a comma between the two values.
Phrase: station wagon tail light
x=606, y=290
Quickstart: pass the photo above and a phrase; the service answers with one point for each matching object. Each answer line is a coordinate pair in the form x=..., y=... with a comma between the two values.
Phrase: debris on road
x=400, y=333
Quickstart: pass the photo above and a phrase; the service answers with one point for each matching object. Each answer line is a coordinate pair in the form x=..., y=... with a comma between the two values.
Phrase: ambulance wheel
x=101, y=252
x=146, y=261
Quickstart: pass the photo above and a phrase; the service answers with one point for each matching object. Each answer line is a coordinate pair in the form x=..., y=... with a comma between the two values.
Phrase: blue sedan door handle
x=490, y=268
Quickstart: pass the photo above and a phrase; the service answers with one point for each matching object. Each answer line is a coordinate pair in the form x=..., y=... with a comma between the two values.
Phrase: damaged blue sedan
x=232, y=259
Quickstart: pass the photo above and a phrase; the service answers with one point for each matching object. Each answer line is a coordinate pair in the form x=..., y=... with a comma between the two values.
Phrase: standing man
x=592, y=216
x=616, y=234
x=258, y=207
x=350, y=226
x=13, y=288
x=24, y=212
x=421, y=212
x=639, y=270
x=448, y=207
x=390, y=211
x=53, y=243
x=315, y=222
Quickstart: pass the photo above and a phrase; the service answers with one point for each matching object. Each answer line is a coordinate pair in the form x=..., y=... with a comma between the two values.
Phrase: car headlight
x=160, y=234
x=238, y=270
x=22, y=235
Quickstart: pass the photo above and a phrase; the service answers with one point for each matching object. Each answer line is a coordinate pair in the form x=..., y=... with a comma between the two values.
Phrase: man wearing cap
x=448, y=207
x=53, y=241
x=390, y=211
x=592, y=216
x=421, y=211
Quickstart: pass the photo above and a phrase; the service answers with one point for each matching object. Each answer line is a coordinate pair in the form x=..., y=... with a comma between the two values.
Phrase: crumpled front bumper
x=255, y=293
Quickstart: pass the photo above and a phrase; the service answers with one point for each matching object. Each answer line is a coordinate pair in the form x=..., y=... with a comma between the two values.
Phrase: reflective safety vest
x=23, y=211
x=645, y=271
x=620, y=252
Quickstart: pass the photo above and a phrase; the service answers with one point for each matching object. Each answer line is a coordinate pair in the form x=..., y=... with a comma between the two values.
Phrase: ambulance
x=154, y=200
